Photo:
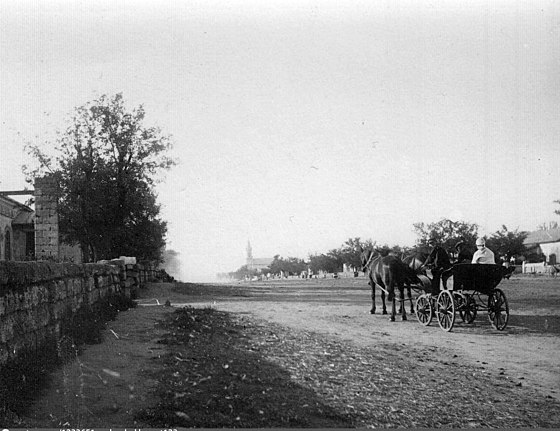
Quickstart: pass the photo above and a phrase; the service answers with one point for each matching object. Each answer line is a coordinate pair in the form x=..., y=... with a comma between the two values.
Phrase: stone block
x=42, y=314
x=4, y=353
x=128, y=260
x=7, y=329
x=59, y=310
x=94, y=296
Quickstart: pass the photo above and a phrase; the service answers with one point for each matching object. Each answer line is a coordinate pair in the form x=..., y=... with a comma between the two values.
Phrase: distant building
x=27, y=234
x=546, y=242
x=17, y=233
x=257, y=263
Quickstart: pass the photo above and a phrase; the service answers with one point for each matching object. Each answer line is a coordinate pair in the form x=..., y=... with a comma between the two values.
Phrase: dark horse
x=415, y=266
x=387, y=272
x=438, y=260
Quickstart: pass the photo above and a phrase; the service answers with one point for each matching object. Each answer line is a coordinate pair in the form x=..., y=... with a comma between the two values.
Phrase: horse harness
x=372, y=258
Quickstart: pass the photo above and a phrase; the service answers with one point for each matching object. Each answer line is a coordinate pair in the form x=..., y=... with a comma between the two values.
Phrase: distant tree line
x=504, y=243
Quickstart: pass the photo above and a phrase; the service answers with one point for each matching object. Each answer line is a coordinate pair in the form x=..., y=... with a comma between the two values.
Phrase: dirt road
x=527, y=352
x=108, y=384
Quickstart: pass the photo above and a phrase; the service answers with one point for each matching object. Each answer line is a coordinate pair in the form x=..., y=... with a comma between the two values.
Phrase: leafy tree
x=447, y=232
x=350, y=251
x=508, y=243
x=106, y=163
x=337, y=259
x=242, y=272
x=292, y=265
x=322, y=262
x=395, y=250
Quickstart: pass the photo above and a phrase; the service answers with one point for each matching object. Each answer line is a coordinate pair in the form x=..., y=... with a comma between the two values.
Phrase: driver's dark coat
x=439, y=258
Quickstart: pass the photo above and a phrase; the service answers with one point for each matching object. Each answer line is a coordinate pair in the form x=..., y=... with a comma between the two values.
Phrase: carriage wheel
x=445, y=310
x=498, y=309
x=468, y=311
x=424, y=310
x=460, y=303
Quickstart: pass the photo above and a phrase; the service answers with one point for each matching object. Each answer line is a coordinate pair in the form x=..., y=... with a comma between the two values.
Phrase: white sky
x=300, y=124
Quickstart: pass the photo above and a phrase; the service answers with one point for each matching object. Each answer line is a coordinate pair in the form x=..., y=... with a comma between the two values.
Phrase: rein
x=371, y=258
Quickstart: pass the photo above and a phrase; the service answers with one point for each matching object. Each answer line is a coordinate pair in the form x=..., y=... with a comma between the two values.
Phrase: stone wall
x=36, y=297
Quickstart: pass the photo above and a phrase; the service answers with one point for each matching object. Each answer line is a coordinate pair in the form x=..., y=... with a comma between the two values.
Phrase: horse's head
x=365, y=256
x=415, y=261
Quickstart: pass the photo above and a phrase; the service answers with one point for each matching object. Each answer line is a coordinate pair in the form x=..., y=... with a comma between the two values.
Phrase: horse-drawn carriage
x=474, y=289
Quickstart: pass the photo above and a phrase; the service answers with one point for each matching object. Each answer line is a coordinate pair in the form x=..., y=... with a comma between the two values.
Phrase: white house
x=546, y=242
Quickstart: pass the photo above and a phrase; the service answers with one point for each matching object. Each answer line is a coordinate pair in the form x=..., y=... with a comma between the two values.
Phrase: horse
x=415, y=264
x=387, y=272
x=419, y=261
x=439, y=261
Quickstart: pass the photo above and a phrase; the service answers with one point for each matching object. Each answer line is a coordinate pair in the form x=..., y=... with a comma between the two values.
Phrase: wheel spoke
x=498, y=310
x=423, y=310
x=445, y=310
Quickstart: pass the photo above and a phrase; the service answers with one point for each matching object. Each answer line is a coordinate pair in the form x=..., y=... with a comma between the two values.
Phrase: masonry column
x=46, y=219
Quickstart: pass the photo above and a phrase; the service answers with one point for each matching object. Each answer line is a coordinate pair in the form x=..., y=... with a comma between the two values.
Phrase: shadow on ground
x=214, y=376
x=541, y=324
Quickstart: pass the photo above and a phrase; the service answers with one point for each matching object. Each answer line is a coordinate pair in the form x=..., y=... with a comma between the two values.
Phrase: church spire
x=249, y=251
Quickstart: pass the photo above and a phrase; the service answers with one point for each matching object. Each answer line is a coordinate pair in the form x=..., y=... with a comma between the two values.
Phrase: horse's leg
x=372, y=284
x=403, y=308
x=393, y=300
x=383, y=300
x=409, y=290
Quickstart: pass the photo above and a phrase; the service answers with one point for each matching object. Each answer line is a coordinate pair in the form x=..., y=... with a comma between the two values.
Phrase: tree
x=242, y=272
x=322, y=262
x=106, y=164
x=507, y=243
x=291, y=265
x=396, y=250
x=447, y=232
x=350, y=252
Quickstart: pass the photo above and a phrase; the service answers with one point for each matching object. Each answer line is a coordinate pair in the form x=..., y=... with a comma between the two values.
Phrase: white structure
x=546, y=242
x=259, y=263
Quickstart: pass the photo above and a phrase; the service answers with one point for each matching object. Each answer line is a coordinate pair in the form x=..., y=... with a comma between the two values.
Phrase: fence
x=539, y=268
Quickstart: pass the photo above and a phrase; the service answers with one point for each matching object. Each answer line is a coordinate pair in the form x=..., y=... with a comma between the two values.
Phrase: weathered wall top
x=18, y=275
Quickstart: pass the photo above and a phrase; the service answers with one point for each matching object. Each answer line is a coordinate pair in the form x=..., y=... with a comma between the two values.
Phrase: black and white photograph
x=279, y=214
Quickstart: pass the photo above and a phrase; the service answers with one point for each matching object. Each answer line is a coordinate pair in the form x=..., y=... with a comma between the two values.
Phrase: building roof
x=24, y=217
x=542, y=236
x=263, y=261
x=14, y=203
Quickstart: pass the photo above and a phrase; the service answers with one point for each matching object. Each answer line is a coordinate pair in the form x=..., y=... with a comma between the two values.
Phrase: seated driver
x=483, y=254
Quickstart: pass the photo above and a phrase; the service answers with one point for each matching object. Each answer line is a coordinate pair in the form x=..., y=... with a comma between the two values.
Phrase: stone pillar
x=46, y=219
